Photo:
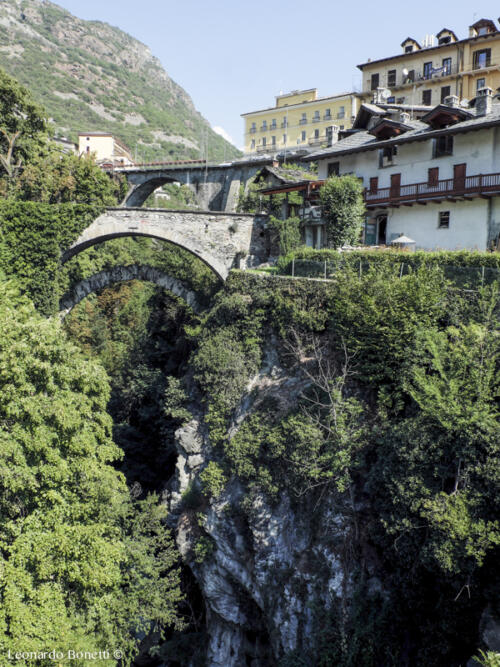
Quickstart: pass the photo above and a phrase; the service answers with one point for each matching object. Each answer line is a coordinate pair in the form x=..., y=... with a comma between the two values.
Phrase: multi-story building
x=105, y=147
x=443, y=65
x=299, y=121
x=435, y=180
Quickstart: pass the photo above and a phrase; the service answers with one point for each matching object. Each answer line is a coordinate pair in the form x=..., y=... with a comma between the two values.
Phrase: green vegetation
x=82, y=564
x=400, y=414
x=343, y=208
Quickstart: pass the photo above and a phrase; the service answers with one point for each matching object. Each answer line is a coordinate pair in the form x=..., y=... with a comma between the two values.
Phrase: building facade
x=299, y=121
x=105, y=147
x=435, y=180
x=442, y=66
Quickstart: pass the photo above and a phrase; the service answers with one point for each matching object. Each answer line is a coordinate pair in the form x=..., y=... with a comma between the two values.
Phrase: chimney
x=404, y=117
x=484, y=101
x=332, y=132
x=452, y=101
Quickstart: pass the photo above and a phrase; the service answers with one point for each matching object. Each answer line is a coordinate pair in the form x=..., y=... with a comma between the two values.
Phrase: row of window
x=303, y=137
x=480, y=59
x=316, y=118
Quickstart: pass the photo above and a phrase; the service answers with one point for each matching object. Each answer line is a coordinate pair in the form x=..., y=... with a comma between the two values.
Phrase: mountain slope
x=91, y=76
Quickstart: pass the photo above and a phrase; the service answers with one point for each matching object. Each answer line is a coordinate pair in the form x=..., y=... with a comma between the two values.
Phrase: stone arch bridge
x=222, y=240
x=215, y=186
x=119, y=274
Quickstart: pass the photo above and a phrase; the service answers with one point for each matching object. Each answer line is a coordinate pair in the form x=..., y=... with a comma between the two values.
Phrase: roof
x=289, y=176
x=449, y=31
x=430, y=48
x=298, y=104
x=363, y=141
x=410, y=39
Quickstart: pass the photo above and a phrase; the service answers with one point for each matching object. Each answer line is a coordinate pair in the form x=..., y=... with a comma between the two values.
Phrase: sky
x=233, y=57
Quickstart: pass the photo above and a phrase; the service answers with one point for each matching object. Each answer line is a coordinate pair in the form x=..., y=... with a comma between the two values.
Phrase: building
x=300, y=121
x=436, y=180
x=107, y=149
x=441, y=66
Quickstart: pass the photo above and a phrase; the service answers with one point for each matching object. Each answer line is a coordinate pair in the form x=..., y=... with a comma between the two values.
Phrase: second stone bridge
x=222, y=240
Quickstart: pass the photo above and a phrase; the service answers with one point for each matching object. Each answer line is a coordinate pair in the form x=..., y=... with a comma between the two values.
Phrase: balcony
x=328, y=116
x=317, y=141
x=303, y=121
x=316, y=119
x=264, y=128
x=252, y=130
x=481, y=185
x=284, y=124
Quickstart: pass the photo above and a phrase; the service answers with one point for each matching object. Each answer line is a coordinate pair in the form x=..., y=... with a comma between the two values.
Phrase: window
x=333, y=169
x=264, y=125
x=284, y=138
x=400, y=100
x=444, y=40
x=341, y=127
x=443, y=145
x=316, y=134
x=273, y=140
x=443, y=220
x=427, y=70
x=316, y=117
x=445, y=92
x=391, y=77
x=410, y=78
x=273, y=124
x=303, y=119
x=433, y=176
x=480, y=83
x=427, y=97
x=481, y=59
x=264, y=141
x=446, y=66
x=409, y=48
x=303, y=135
x=252, y=145
x=328, y=114
x=391, y=100
x=373, y=185
x=341, y=113
x=386, y=156
x=253, y=128
x=375, y=78
x=285, y=122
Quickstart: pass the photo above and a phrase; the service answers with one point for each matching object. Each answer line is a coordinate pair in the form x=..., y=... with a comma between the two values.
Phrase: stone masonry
x=222, y=240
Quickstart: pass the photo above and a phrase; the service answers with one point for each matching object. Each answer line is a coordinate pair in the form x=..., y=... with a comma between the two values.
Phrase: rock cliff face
x=91, y=76
x=268, y=566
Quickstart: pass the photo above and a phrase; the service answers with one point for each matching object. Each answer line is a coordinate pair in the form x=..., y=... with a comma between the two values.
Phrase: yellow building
x=105, y=147
x=299, y=120
x=442, y=66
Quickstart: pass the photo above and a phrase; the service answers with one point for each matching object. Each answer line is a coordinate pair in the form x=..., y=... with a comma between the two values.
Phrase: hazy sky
x=233, y=57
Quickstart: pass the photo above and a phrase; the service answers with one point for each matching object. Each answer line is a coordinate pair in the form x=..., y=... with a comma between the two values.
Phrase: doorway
x=382, y=229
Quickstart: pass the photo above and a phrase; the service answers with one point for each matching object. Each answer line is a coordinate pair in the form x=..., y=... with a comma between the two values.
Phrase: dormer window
x=446, y=36
x=409, y=45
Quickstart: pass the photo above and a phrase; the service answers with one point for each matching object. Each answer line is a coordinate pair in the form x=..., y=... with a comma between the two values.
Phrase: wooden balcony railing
x=465, y=186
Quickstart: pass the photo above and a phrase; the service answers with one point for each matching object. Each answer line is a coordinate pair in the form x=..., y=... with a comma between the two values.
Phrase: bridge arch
x=138, y=193
x=218, y=240
x=119, y=274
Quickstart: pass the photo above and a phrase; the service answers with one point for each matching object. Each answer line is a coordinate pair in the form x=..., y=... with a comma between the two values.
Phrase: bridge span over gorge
x=215, y=186
x=222, y=240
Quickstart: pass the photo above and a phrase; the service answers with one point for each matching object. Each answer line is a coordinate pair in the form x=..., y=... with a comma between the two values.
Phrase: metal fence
x=466, y=277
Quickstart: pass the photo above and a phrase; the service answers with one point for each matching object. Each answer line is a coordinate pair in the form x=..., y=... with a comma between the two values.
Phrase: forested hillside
x=91, y=76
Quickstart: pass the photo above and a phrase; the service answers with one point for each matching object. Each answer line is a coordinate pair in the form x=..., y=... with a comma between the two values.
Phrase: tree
x=343, y=208
x=23, y=126
x=82, y=565
x=54, y=177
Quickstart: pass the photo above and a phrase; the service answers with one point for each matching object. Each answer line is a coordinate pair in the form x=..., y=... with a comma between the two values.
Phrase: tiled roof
x=362, y=140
